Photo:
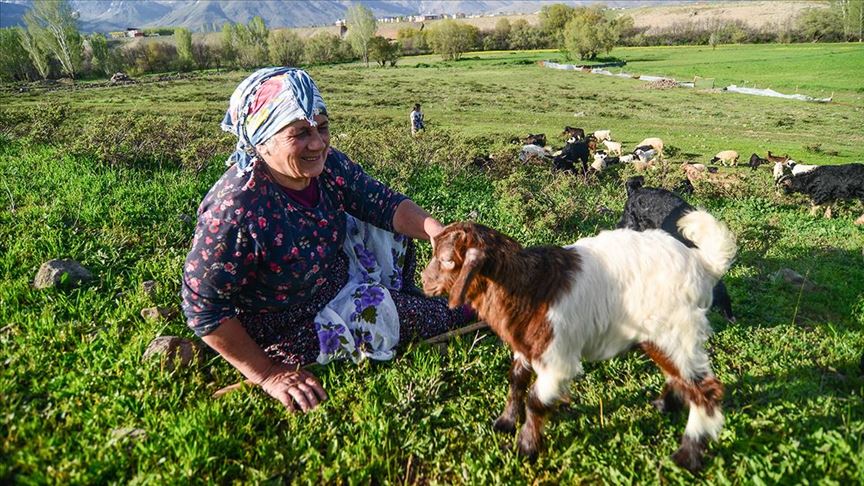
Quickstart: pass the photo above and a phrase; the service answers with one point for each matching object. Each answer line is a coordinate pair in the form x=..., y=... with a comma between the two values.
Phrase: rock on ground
x=175, y=351
x=51, y=274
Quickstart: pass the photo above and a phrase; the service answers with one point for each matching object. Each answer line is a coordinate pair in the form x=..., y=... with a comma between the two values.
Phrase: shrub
x=132, y=139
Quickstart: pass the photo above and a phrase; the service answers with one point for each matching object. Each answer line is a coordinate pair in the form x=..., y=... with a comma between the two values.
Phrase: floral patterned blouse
x=256, y=249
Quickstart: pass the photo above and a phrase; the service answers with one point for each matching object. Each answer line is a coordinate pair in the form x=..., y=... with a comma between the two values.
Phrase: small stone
x=67, y=273
x=176, y=351
x=149, y=288
x=158, y=313
x=791, y=277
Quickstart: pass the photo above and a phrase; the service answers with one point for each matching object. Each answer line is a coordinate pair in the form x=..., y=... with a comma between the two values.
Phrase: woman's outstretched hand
x=293, y=387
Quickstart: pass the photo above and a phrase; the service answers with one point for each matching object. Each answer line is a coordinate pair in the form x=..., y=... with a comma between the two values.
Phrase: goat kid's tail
x=715, y=244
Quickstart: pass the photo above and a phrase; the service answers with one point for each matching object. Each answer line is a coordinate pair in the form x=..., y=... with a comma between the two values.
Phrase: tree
x=52, y=24
x=251, y=43
x=228, y=45
x=286, y=48
x=499, y=39
x=383, y=51
x=325, y=48
x=183, y=39
x=821, y=25
x=450, y=39
x=589, y=33
x=38, y=56
x=412, y=41
x=553, y=20
x=361, y=28
x=15, y=64
x=524, y=36
x=99, y=54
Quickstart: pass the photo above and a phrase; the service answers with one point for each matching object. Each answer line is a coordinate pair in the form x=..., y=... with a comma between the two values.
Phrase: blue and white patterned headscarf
x=265, y=103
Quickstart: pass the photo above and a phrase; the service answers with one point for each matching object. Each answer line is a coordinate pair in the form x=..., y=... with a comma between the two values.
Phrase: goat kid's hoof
x=504, y=425
x=528, y=448
x=689, y=455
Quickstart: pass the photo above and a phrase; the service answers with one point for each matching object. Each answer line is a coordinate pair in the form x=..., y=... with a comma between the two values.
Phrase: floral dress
x=308, y=283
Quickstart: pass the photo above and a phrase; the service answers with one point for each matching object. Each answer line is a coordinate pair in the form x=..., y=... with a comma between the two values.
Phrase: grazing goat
x=726, y=157
x=655, y=143
x=756, y=161
x=777, y=158
x=602, y=135
x=614, y=147
x=575, y=151
x=538, y=139
x=645, y=153
x=626, y=158
x=826, y=184
x=577, y=133
x=592, y=300
x=797, y=168
x=603, y=160
x=653, y=208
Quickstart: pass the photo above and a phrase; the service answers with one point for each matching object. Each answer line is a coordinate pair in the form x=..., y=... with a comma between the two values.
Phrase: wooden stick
x=433, y=340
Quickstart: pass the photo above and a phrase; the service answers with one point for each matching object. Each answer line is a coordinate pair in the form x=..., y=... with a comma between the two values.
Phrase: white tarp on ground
x=686, y=84
x=774, y=94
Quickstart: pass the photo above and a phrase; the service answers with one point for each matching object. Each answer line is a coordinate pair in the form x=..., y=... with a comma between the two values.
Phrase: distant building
x=425, y=17
x=134, y=32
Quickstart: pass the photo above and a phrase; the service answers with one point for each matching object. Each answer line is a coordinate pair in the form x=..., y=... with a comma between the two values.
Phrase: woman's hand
x=293, y=387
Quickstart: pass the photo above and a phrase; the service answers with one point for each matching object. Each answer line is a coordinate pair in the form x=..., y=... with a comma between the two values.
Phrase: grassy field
x=72, y=374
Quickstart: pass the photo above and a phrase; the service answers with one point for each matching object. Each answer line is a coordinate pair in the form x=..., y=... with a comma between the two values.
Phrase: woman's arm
x=284, y=383
x=411, y=220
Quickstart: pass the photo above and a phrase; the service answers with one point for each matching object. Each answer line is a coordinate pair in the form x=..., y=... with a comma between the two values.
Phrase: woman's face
x=298, y=151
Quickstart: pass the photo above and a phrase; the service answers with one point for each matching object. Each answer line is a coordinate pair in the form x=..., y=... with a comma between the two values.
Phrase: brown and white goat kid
x=556, y=306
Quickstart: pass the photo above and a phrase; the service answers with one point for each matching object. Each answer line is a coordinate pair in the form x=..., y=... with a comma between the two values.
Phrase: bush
x=132, y=139
x=286, y=48
x=39, y=124
x=324, y=48
x=383, y=51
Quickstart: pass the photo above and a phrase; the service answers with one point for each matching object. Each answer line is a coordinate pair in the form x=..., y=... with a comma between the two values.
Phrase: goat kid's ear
x=474, y=259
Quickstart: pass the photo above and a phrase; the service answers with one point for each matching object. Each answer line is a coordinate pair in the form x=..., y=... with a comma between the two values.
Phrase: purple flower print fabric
x=362, y=321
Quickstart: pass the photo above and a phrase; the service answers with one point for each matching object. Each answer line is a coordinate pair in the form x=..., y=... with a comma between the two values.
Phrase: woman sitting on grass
x=298, y=254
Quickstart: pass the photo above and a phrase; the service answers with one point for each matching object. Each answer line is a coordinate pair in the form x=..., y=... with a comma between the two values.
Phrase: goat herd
x=824, y=184
x=648, y=283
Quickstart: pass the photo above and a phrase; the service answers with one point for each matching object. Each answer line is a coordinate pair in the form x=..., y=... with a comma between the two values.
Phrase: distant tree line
x=50, y=46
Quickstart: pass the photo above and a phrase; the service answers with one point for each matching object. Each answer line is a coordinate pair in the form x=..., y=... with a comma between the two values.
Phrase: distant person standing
x=417, y=120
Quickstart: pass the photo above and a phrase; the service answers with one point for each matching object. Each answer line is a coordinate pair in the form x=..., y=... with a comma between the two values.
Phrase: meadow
x=73, y=384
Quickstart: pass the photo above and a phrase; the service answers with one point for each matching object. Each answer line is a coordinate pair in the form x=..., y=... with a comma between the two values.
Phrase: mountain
x=108, y=15
x=12, y=14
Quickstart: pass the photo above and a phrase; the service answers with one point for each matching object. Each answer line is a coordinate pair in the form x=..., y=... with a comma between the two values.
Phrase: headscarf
x=265, y=103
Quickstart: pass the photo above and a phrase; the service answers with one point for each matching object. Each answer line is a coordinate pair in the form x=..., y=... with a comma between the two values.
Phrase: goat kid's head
x=458, y=254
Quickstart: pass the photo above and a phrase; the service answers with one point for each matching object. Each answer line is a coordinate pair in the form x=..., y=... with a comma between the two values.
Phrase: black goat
x=756, y=161
x=577, y=133
x=828, y=183
x=653, y=208
x=573, y=152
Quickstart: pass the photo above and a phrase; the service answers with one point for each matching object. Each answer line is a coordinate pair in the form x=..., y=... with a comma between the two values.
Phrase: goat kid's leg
x=668, y=401
x=514, y=411
x=704, y=423
x=545, y=393
x=860, y=220
x=828, y=212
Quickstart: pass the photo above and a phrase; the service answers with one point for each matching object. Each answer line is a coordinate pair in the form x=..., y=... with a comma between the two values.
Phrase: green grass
x=72, y=370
